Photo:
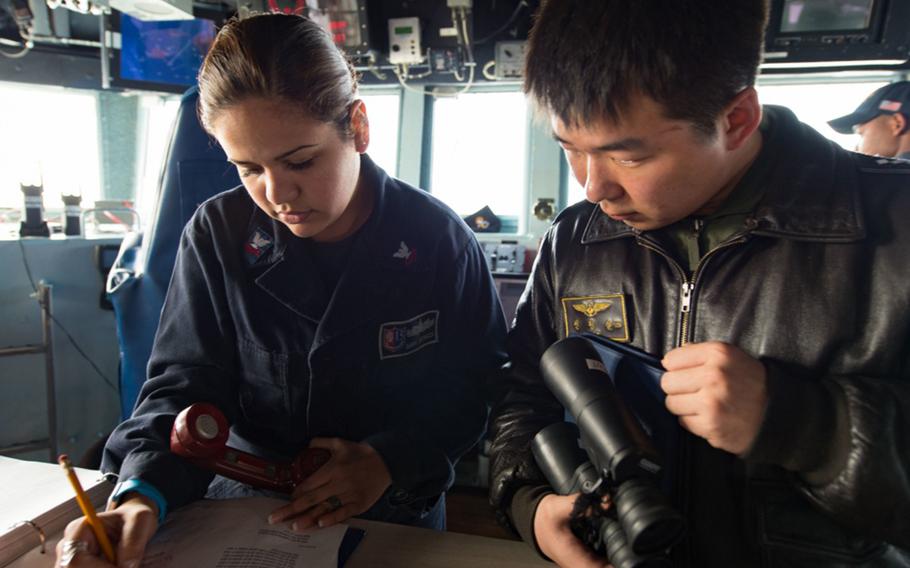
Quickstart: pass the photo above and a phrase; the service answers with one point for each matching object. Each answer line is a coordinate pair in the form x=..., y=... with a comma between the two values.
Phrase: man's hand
x=353, y=479
x=555, y=538
x=719, y=393
x=130, y=527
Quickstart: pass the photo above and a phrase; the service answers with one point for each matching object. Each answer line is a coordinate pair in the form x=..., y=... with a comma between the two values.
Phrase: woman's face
x=299, y=170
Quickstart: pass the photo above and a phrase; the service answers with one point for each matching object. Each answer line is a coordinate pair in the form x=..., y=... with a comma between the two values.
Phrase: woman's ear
x=360, y=126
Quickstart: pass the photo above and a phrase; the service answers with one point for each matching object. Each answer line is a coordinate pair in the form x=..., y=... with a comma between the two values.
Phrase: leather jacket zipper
x=688, y=287
x=684, y=309
x=689, y=284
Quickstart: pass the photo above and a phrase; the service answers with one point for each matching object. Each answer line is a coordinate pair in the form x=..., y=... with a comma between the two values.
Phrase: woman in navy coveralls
x=323, y=305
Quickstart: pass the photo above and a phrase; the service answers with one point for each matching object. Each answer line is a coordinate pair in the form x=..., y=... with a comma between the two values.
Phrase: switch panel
x=404, y=41
x=510, y=59
x=505, y=257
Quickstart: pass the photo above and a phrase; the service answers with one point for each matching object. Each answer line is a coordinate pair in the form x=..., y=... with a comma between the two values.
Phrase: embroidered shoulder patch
x=255, y=247
x=406, y=253
x=400, y=338
x=603, y=315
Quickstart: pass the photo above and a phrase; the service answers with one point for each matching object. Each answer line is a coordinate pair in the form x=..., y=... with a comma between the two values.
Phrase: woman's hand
x=130, y=527
x=555, y=538
x=353, y=479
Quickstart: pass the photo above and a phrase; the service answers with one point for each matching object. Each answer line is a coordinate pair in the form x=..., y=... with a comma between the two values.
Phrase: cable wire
x=467, y=38
x=28, y=272
x=19, y=54
x=487, y=73
x=26, y=45
x=401, y=72
x=372, y=68
x=504, y=27
x=460, y=22
x=461, y=91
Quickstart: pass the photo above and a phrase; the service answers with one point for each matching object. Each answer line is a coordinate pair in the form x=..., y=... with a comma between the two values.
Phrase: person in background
x=763, y=263
x=323, y=304
x=883, y=122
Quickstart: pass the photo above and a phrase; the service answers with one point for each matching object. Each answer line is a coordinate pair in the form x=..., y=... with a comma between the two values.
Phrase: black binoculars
x=616, y=457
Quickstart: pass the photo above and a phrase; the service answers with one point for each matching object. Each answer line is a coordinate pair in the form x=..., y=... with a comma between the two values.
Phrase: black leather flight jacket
x=817, y=287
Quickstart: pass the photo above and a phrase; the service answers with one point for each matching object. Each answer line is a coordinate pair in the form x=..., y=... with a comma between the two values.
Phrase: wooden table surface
x=387, y=545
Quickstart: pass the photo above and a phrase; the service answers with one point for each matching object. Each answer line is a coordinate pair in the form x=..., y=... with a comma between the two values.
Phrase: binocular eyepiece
x=618, y=459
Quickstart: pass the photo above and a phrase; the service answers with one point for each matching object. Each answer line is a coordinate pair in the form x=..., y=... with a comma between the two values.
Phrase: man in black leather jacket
x=766, y=265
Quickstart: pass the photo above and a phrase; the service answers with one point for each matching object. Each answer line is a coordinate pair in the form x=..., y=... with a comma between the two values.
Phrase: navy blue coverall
x=394, y=356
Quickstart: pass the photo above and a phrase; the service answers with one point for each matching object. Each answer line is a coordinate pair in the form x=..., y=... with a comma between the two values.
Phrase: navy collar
x=375, y=266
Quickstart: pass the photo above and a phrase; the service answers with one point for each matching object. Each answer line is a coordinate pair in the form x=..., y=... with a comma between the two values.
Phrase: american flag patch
x=890, y=106
x=259, y=242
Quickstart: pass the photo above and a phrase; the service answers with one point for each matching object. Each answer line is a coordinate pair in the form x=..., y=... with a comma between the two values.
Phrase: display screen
x=169, y=52
x=826, y=15
x=404, y=30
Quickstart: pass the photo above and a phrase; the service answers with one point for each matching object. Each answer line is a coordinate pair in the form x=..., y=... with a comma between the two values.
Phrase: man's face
x=878, y=137
x=647, y=171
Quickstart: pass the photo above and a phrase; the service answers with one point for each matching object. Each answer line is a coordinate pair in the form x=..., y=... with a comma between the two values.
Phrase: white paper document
x=39, y=492
x=30, y=489
x=235, y=533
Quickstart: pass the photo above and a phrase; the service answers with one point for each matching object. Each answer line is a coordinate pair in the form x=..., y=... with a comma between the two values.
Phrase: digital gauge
x=345, y=20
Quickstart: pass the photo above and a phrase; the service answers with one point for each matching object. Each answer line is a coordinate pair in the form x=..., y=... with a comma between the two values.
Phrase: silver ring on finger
x=334, y=503
x=70, y=548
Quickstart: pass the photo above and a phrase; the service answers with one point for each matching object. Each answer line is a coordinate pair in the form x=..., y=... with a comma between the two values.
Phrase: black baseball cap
x=890, y=99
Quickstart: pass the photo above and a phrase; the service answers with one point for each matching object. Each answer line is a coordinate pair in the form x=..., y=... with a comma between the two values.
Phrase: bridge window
x=383, y=112
x=50, y=137
x=815, y=103
x=479, y=154
x=575, y=192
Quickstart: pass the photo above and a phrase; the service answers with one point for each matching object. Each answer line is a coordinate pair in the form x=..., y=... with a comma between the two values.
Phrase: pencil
x=88, y=510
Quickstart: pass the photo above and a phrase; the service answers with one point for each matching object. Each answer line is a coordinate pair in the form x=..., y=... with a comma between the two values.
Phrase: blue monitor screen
x=163, y=51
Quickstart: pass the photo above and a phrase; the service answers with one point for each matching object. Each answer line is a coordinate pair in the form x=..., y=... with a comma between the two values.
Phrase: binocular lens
x=650, y=523
x=621, y=555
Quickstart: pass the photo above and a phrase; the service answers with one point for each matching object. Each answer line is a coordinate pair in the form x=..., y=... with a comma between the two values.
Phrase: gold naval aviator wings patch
x=603, y=315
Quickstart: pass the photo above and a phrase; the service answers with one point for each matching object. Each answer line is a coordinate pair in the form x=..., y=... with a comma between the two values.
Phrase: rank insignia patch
x=601, y=315
x=259, y=242
x=406, y=253
x=400, y=338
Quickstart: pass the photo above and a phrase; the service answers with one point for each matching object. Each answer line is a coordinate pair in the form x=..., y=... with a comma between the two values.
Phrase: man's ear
x=899, y=123
x=741, y=118
x=360, y=126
